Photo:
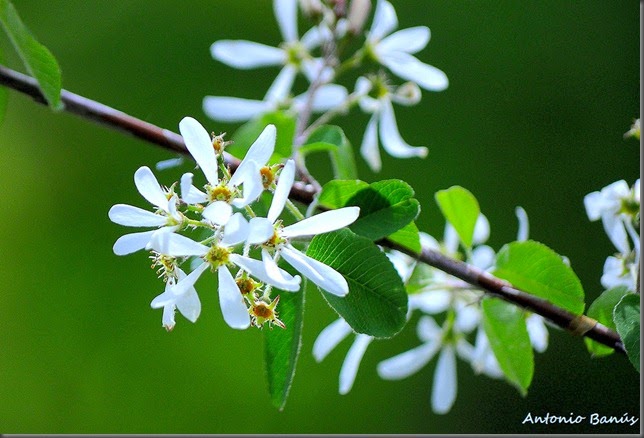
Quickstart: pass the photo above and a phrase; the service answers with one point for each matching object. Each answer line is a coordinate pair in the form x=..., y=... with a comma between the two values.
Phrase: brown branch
x=304, y=193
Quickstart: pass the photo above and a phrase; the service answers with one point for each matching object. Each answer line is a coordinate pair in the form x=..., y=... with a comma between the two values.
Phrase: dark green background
x=540, y=94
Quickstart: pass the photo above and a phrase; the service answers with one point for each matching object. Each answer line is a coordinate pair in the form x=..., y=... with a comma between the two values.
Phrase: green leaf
x=377, y=301
x=248, y=133
x=506, y=330
x=336, y=193
x=461, y=209
x=39, y=61
x=538, y=270
x=602, y=310
x=408, y=237
x=385, y=208
x=282, y=346
x=627, y=322
x=331, y=139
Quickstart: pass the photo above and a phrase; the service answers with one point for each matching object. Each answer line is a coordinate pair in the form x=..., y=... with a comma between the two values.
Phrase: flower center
x=262, y=312
x=219, y=193
x=267, y=176
x=246, y=285
x=217, y=256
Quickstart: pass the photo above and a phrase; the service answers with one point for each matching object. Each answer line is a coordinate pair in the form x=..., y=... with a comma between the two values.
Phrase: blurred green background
x=540, y=95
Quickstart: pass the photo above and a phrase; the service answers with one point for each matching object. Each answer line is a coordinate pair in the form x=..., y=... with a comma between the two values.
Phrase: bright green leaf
x=408, y=237
x=282, y=346
x=627, y=322
x=421, y=278
x=248, y=133
x=533, y=267
x=506, y=330
x=336, y=193
x=39, y=61
x=461, y=209
x=377, y=301
x=331, y=139
x=602, y=310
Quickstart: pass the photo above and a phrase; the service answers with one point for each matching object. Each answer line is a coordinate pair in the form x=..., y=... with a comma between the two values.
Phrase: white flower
x=407, y=363
x=293, y=54
x=222, y=195
x=218, y=256
x=383, y=122
x=188, y=302
x=166, y=216
x=263, y=229
x=609, y=205
x=329, y=338
x=394, y=50
x=619, y=271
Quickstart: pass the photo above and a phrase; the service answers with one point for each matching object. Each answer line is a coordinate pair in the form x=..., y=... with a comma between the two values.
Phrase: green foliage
x=377, y=301
x=408, y=237
x=602, y=310
x=627, y=322
x=505, y=327
x=282, y=346
x=532, y=266
x=331, y=139
x=248, y=133
x=461, y=209
x=385, y=207
x=39, y=61
x=3, y=93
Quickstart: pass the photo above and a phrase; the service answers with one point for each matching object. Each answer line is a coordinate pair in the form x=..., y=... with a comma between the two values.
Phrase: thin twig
x=304, y=193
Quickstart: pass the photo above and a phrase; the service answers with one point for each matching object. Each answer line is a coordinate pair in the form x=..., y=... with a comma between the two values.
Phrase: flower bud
x=358, y=14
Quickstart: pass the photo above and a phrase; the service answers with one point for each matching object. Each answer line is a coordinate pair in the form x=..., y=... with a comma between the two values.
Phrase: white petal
x=538, y=332
x=468, y=317
x=169, y=163
x=327, y=96
x=330, y=337
x=384, y=21
x=200, y=147
x=483, y=257
x=408, y=363
x=286, y=15
x=187, y=283
x=168, y=317
x=274, y=273
x=450, y=239
x=369, y=148
x=392, y=142
x=323, y=223
x=352, y=362
x=427, y=329
x=363, y=86
x=189, y=305
x=313, y=37
x=246, y=54
x=133, y=242
x=481, y=230
x=614, y=227
x=236, y=230
x=259, y=152
x=594, y=203
x=284, y=185
x=409, y=40
x=322, y=275
x=231, y=301
x=261, y=229
x=408, y=67
x=281, y=86
x=176, y=245
x=431, y=302
x=219, y=212
x=149, y=188
x=234, y=109
x=257, y=270
x=130, y=216
x=189, y=193
x=444, y=386
x=524, y=225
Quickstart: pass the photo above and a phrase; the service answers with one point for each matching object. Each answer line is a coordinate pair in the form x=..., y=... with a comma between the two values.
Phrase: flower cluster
x=618, y=206
x=225, y=232
x=460, y=334
x=318, y=55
